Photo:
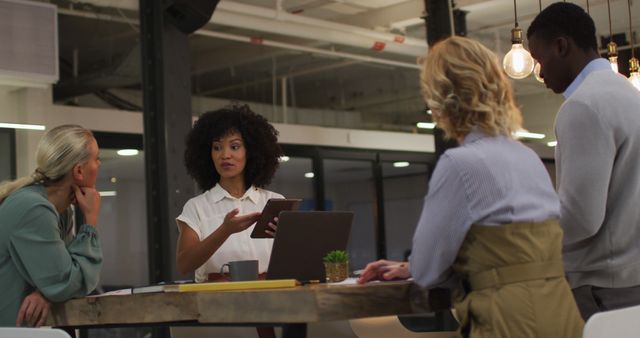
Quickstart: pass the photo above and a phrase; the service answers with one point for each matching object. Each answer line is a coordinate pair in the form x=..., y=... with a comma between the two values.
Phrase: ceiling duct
x=190, y=15
x=122, y=73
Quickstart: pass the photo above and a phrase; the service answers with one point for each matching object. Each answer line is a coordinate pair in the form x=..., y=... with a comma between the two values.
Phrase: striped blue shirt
x=488, y=181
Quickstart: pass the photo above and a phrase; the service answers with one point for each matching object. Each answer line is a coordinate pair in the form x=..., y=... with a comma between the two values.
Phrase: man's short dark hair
x=565, y=19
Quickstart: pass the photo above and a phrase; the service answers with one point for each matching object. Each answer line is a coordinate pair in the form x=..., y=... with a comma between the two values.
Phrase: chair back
x=621, y=323
x=27, y=332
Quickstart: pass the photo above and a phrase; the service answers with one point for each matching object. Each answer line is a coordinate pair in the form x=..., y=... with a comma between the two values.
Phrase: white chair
x=26, y=332
x=621, y=323
x=390, y=326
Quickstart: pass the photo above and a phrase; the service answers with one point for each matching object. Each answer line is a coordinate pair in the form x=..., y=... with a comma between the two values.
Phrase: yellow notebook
x=228, y=286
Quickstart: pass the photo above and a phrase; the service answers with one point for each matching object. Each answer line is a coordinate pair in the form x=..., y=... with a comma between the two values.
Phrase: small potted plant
x=336, y=266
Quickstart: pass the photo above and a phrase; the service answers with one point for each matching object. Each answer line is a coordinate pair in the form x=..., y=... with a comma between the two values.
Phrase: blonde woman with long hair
x=490, y=218
x=36, y=265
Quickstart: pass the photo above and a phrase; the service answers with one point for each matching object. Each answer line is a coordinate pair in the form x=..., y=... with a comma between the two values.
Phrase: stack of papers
x=148, y=289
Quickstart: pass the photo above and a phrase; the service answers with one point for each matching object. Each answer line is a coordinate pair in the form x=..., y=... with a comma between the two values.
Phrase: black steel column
x=438, y=25
x=167, y=120
x=318, y=180
x=381, y=231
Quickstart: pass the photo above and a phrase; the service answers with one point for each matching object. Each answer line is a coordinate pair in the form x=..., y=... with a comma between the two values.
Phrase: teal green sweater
x=33, y=254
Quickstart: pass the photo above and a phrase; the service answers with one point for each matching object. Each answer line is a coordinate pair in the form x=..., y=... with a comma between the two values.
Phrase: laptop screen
x=303, y=239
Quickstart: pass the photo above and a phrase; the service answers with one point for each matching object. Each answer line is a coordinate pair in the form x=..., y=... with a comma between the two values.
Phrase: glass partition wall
x=384, y=190
x=405, y=186
x=8, y=154
x=123, y=219
x=349, y=186
x=292, y=180
x=122, y=222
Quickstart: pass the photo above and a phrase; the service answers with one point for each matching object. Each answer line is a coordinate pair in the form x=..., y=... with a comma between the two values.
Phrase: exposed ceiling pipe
x=267, y=13
x=254, y=40
x=233, y=14
x=314, y=33
x=311, y=50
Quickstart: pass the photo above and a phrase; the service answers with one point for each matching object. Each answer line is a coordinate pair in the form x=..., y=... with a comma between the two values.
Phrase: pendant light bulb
x=536, y=72
x=518, y=62
x=634, y=76
x=537, y=68
x=613, y=60
x=612, y=55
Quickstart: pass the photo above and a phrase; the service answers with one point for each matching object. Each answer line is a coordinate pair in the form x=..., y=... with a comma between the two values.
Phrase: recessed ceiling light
x=526, y=134
x=400, y=164
x=425, y=125
x=284, y=158
x=128, y=152
x=108, y=193
x=309, y=175
x=113, y=180
x=22, y=126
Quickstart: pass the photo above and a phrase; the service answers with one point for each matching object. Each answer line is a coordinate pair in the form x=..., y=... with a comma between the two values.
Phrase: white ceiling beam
x=309, y=5
x=233, y=14
x=316, y=33
x=310, y=50
x=386, y=16
x=264, y=42
x=328, y=27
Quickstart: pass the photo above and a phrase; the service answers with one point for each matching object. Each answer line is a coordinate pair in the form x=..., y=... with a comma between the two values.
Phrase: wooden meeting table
x=291, y=308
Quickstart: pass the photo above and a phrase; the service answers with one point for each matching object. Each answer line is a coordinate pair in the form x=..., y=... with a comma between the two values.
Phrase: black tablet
x=273, y=207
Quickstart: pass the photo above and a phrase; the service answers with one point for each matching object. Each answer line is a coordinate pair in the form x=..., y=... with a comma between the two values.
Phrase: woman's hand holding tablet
x=271, y=210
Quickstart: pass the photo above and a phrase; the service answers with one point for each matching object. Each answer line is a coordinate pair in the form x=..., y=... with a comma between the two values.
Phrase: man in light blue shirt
x=597, y=160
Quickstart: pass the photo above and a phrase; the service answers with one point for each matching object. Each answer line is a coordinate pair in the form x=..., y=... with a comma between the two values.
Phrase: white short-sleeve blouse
x=205, y=213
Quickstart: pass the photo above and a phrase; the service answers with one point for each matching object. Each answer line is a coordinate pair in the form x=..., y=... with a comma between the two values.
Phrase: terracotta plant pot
x=336, y=272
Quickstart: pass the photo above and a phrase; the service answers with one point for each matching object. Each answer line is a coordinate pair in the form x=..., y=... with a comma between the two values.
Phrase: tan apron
x=515, y=282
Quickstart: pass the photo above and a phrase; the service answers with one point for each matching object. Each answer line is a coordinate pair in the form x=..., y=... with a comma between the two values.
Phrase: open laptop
x=303, y=239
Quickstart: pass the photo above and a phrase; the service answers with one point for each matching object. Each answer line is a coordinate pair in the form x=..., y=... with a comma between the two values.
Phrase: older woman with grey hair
x=36, y=265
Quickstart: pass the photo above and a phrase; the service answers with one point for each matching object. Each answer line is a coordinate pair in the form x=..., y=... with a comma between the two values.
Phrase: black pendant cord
x=610, y=30
x=631, y=37
x=515, y=12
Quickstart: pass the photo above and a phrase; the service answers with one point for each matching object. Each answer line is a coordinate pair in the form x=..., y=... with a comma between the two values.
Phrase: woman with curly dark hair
x=233, y=154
